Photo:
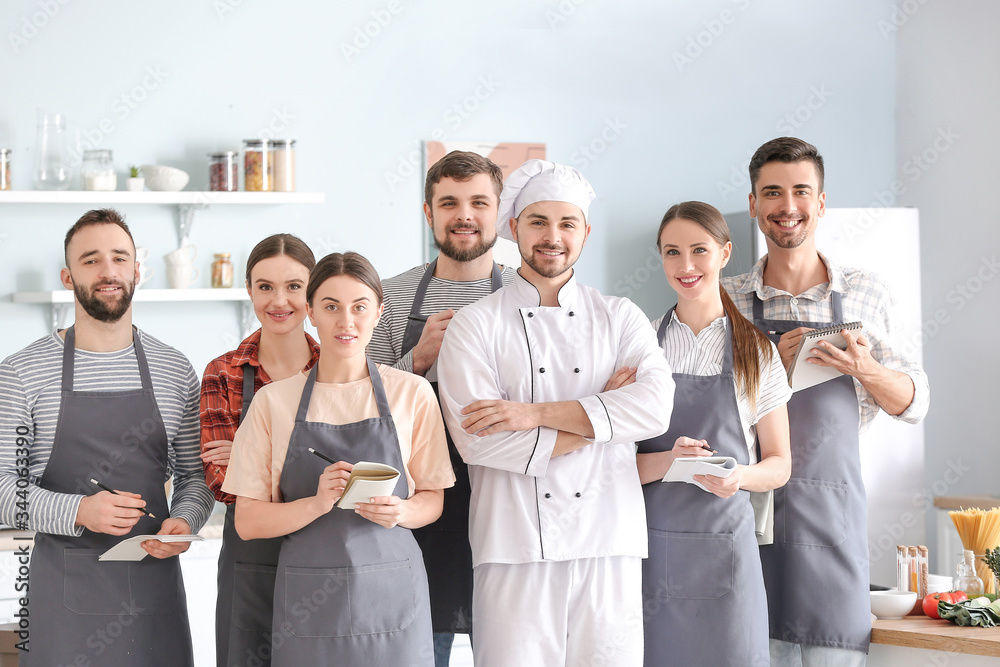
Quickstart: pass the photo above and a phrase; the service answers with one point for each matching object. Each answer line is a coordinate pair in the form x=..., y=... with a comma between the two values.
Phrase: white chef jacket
x=526, y=506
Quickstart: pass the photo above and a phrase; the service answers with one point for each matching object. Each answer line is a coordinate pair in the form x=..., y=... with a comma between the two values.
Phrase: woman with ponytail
x=703, y=590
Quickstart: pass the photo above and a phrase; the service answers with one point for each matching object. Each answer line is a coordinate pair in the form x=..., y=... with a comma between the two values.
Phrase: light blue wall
x=573, y=74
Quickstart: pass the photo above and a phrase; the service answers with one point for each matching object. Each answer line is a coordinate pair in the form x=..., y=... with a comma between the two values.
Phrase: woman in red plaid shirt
x=277, y=273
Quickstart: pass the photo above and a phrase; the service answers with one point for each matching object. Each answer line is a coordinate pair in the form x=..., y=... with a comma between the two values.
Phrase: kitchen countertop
x=937, y=635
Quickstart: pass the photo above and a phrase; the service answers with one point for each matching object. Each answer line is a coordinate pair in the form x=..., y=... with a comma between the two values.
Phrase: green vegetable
x=970, y=612
x=992, y=560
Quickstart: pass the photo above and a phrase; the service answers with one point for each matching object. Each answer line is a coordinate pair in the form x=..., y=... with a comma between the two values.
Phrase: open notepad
x=368, y=480
x=802, y=374
x=684, y=469
x=131, y=548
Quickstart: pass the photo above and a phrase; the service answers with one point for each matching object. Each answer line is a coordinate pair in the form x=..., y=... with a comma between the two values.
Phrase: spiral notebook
x=801, y=374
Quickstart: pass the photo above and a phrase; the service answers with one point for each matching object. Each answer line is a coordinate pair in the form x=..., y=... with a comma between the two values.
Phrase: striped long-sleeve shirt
x=30, y=386
x=386, y=346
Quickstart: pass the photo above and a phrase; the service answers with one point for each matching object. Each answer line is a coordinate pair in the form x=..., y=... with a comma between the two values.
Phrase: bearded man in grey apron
x=820, y=549
x=461, y=196
x=88, y=411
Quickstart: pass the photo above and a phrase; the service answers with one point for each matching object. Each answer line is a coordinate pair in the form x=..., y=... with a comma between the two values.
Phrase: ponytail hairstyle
x=749, y=343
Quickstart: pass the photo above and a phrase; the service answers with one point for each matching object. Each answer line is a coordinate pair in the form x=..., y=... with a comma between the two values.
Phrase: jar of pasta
x=222, y=271
x=258, y=166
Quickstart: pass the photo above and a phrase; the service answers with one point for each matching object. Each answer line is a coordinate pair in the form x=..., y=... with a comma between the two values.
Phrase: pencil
x=706, y=447
x=322, y=456
x=141, y=509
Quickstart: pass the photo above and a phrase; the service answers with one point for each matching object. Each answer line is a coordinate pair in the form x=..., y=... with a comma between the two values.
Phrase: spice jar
x=284, y=164
x=222, y=270
x=223, y=171
x=258, y=166
x=99, y=171
x=4, y=169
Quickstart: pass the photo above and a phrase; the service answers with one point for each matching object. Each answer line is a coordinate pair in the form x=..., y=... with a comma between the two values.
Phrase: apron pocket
x=690, y=566
x=157, y=587
x=92, y=587
x=345, y=601
x=815, y=512
x=253, y=596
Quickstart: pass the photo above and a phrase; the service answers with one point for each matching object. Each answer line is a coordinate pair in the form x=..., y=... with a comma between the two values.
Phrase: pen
x=709, y=449
x=417, y=318
x=771, y=333
x=141, y=509
x=322, y=456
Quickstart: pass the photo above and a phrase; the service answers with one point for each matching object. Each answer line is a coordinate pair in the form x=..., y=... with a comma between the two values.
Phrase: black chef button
x=578, y=494
x=531, y=314
x=576, y=370
x=541, y=370
x=571, y=313
x=548, y=495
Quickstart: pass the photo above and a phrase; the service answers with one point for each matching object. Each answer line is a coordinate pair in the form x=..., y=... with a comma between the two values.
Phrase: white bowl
x=164, y=179
x=892, y=604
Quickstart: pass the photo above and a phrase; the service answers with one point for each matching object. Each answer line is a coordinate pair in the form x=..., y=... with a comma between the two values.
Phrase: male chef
x=820, y=549
x=106, y=402
x=545, y=386
x=461, y=195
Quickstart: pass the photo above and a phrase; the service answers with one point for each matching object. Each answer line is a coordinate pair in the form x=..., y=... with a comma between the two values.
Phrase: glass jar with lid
x=99, y=170
x=284, y=164
x=222, y=271
x=223, y=171
x=258, y=167
x=4, y=169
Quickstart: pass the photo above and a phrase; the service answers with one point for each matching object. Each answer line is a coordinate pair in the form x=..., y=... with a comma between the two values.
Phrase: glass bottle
x=52, y=170
x=4, y=169
x=966, y=578
x=99, y=171
x=258, y=166
x=223, y=171
x=222, y=271
x=284, y=164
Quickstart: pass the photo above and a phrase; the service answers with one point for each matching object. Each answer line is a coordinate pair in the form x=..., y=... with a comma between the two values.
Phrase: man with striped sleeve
x=461, y=195
x=102, y=405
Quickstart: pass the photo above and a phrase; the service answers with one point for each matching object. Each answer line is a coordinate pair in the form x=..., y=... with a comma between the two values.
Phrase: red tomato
x=959, y=596
x=930, y=603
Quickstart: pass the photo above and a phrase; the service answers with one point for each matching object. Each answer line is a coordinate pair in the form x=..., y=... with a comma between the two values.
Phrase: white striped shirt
x=30, y=399
x=398, y=293
x=702, y=355
x=865, y=297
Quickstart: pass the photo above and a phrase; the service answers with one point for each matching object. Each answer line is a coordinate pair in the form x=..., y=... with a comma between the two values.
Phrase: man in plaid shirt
x=820, y=549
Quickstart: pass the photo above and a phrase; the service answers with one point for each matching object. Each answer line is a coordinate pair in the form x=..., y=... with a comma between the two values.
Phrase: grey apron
x=816, y=572
x=245, y=602
x=702, y=587
x=348, y=592
x=445, y=543
x=113, y=614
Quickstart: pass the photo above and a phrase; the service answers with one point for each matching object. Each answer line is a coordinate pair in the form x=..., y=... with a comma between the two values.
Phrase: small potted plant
x=135, y=180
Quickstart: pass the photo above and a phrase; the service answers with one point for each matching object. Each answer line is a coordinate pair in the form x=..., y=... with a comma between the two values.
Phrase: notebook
x=684, y=469
x=368, y=480
x=131, y=548
x=801, y=374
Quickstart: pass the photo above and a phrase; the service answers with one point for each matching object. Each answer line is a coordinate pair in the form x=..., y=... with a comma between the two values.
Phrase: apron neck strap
x=758, y=308
x=496, y=278
x=249, y=380
x=727, y=351
x=69, y=359
x=380, y=400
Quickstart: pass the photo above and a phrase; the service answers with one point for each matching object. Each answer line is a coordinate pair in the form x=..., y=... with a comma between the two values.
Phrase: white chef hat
x=541, y=180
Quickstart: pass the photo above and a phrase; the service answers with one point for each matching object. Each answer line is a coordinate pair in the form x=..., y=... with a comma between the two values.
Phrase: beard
x=784, y=239
x=101, y=310
x=450, y=250
x=547, y=270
